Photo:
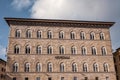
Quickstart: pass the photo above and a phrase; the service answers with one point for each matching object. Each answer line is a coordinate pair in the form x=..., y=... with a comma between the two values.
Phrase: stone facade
x=2, y=69
x=68, y=64
x=117, y=63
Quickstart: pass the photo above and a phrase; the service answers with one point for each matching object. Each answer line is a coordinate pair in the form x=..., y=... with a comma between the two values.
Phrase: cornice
x=61, y=23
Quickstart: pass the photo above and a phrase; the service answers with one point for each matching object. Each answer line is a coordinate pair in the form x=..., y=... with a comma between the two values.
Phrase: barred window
x=39, y=34
x=27, y=49
x=61, y=35
x=18, y=33
x=74, y=67
x=16, y=49
x=49, y=34
x=62, y=50
x=15, y=67
x=49, y=49
x=72, y=35
x=73, y=50
x=28, y=34
x=92, y=36
x=49, y=67
x=38, y=49
x=27, y=67
x=62, y=67
x=82, y=35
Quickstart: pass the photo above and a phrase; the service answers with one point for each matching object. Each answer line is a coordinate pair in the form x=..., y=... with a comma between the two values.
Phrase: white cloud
x=21, y=4
x=2, y=50
x=76, y=9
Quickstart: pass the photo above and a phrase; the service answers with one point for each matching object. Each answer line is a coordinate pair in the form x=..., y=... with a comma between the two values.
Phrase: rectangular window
x=86, y=78
x=26, y=78
x=107, y=78
x=62, y=78
x=119, y=57
x=14, y=78
x=49, y=78
x=37, y=78
x=96, y=78
x=75, y=78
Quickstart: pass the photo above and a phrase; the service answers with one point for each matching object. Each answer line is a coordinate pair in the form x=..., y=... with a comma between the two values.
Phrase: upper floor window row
x=61, y=35
x=49, y=48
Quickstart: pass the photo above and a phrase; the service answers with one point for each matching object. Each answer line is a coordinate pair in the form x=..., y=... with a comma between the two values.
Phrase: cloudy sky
x=90, y=10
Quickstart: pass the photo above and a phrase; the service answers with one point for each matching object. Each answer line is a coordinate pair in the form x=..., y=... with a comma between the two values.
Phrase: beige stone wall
x=2, y=69
x=33, y=58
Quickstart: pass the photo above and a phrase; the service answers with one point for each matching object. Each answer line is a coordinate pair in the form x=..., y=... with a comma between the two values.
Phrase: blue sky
x=90, y=10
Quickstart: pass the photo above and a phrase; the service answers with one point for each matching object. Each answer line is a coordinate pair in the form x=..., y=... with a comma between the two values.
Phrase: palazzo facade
x=45, y=49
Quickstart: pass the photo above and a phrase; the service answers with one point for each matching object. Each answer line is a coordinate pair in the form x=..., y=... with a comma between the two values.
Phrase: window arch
x=62, y=67
x=38, y=67
x=85, y=67
x=16, y=49
x=92, y=36
x=27, y=49
x=72, y=35
x=17, y=33
x=82, y=35
x=106, y=67
x=102, y=37
x=49, y=49
x=95, y=67
x=38, y=49
x=73, y=50
x=74, y=67
x=62, y=50
x=49, y=34
x=103, y=50
x=27, y=67
x=94, y=51
x=83, y=50
x=15, y=67
x=39, y=34
x=28, y=33
x=49, y=67
x=61, y=35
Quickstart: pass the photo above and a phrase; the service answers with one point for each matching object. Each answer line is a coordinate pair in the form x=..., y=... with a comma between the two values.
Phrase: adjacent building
x=44, y=49
x=2, y=69
x=117, y=62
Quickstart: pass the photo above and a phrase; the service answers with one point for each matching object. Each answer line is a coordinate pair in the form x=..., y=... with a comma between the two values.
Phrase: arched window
x=94, y=52
x=28, y=34
x=38, y=49
x=83, y=50
x=49, y=34
x=92, y=36
x=106, y=67
x=39, y=34
x=27, y=67
x=82, y=35
x=49, y=50
x=62, y=50
x=72, y=35
x=95, y=67
x=16, y=49
x=17, y=33
x=73, y=50
x=61, y=35
x=49, y=67
x=74, y=67
x=103, y=50
x=27, y=49
x=15, y=67
x=38, y=67
x=102, y=37
x=62, y=67
x=85, y=67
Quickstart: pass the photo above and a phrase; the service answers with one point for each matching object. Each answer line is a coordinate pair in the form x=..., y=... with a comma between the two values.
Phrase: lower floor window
x=14, y=78
x=26, y=78
x=62, y=78
x=49, y=78
x=37, y=78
